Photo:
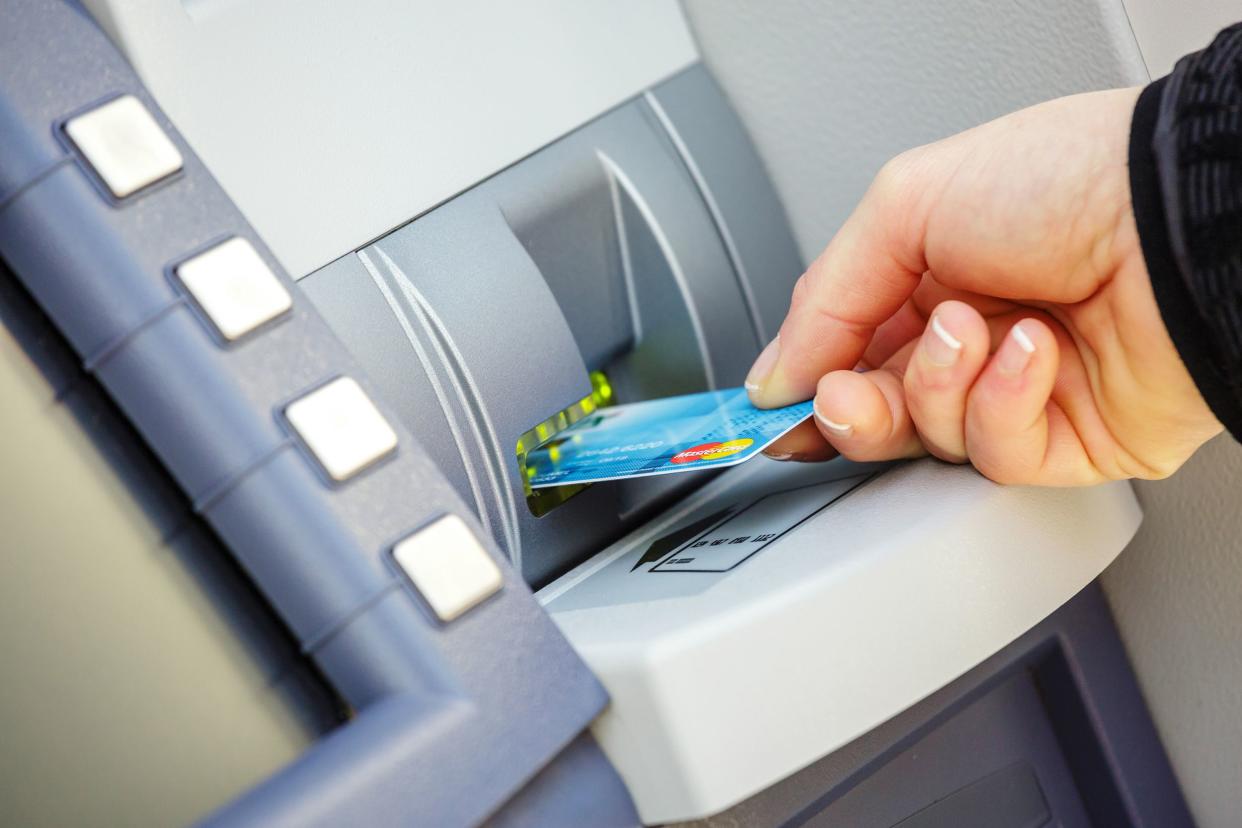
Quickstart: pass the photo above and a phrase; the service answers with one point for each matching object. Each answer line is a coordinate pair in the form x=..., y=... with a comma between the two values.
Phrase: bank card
x=666, y=436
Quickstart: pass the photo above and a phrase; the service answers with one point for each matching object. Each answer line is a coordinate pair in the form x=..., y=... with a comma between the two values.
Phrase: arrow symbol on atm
x=671, y=541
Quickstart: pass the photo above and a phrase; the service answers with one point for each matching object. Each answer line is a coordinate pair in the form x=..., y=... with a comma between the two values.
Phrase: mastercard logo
x=710, y=451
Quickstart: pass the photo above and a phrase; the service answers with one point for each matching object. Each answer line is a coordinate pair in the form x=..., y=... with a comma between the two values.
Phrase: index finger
x=862, y=278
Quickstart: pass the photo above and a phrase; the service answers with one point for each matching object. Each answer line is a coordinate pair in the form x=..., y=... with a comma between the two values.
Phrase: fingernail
x=1015, y=352
x=941, y=347
x=843, y=429
x=780, y=455
x=805, y=457
x=762, y=369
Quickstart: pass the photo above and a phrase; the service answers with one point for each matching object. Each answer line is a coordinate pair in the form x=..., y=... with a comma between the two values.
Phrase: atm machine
x=288, y=290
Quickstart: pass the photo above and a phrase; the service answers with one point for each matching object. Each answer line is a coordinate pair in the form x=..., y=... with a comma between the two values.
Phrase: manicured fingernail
x=941, y=347
x=842, y=429
x=762, y=369
x=781, y=455
x=1015, y=352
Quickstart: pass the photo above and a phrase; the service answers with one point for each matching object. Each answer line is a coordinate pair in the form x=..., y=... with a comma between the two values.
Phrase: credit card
x=675, y=434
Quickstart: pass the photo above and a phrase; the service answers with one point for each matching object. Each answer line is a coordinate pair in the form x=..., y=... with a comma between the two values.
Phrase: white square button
x=342, y=427
x=124, y=145
x=449, y=566
x=234, y=286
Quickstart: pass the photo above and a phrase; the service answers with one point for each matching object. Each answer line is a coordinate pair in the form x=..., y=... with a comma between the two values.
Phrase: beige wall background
x=1176, y=593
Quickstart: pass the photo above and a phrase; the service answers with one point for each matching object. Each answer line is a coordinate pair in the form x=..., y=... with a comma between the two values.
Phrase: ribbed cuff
x=1182, y=318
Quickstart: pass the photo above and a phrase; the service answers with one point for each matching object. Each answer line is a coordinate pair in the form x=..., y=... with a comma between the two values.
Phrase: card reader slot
x=597, y=253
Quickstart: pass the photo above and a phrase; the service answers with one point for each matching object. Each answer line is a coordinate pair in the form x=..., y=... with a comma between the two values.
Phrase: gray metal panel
x=830, y=91
x=1167, y=29
x=736, y=188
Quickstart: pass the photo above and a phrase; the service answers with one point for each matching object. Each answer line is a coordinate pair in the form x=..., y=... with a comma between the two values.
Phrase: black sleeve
x=1186, y=186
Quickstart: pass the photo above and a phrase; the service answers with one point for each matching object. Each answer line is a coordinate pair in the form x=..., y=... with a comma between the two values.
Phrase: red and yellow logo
x=710, y=451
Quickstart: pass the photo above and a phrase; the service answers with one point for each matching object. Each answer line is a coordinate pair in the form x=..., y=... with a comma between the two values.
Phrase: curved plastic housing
x=895, y=587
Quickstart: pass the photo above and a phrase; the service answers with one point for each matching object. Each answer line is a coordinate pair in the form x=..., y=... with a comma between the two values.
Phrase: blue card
x=676, y=434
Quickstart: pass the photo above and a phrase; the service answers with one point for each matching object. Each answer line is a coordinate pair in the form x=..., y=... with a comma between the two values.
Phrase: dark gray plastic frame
x=463, y=715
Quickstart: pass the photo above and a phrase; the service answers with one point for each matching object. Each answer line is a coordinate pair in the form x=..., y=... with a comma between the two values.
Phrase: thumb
x=862, y=278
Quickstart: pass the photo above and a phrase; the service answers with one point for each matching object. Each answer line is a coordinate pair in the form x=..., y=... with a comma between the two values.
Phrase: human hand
x=990, y=293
